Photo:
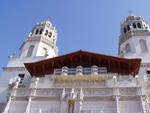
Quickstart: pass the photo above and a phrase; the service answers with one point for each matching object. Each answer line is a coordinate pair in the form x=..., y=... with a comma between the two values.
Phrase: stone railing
x=86, y=71
x=87, y=92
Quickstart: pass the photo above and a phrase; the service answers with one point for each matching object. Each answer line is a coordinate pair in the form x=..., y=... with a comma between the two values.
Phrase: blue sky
x=92, y=25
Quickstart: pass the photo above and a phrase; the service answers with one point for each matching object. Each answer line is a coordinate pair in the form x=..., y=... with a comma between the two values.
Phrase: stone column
x=117, y=104
x=28, y=108
x=143, y=104
x=116, y=94
x=81, y=100
x=62, y=107
x=28, y=105
x=16, y=86
x=35, y=86
x=7, y=106
x=13, y=94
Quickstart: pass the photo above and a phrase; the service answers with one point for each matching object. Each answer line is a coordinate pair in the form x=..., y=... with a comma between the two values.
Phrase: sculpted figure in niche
x=70, y=107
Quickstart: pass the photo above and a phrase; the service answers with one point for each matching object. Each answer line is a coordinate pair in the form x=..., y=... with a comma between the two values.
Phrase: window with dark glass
x=46, y=32
x=41, y=31
x=125, y=30
x=134, y=25
x=21, y=77
x=148, y=74
x=37, y=31
x=128, y=27
x=138, y=25
x=50, y=34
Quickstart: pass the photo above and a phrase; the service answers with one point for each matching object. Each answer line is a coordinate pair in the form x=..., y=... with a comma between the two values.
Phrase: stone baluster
x=79, y=70
x=28, y=105
x=64, y=71
x=7, y=106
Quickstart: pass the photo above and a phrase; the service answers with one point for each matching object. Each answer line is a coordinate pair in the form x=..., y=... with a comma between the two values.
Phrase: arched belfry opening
x=127, y=48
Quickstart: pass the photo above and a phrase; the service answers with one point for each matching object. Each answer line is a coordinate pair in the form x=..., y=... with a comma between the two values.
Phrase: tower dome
x=41, y=41
x=133, y=26
x=134, y=38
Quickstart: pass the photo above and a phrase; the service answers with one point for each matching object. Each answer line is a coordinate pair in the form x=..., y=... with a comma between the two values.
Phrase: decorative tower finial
x=130, y=12
x=48, y=18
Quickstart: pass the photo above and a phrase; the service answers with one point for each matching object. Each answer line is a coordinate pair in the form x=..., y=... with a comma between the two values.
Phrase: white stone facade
x=77, y=92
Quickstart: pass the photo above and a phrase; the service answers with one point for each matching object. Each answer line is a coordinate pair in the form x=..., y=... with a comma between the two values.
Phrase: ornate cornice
x=132, y=33
x=7, y=69
x=42, y=39
x=145, y=65
x=89, y=93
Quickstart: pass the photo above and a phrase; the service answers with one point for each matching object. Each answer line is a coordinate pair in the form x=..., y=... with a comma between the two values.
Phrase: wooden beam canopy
x=114, y=64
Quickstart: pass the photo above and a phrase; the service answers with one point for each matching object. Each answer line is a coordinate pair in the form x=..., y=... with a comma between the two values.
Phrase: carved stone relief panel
x=81, y=84
x=127, y=91
x=98, y=92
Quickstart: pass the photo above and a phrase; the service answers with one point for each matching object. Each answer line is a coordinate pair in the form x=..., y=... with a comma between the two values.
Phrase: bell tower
x=134, y=39
x=39, y=45
x=41, y=42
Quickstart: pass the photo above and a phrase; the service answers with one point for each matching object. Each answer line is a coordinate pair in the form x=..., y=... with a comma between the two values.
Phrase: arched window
x=37, y=31
x=50, y=34
x=41, y=31
x=128, y=27
x=127, y=48
x=125, y=30
x=143, y=46
x=134, y=25
x=46, y=32
x=138, y=25
x=44, y=53
x=30, y=50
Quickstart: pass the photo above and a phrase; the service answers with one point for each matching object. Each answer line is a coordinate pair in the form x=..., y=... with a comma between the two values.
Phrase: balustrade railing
x=86, y=71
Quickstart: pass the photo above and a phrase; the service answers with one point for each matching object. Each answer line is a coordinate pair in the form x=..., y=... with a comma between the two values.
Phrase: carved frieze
x=128, y=91
x=48, y=92
x=80, y=80
x=87, y=92
x=80, y=84
x=98, y=92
